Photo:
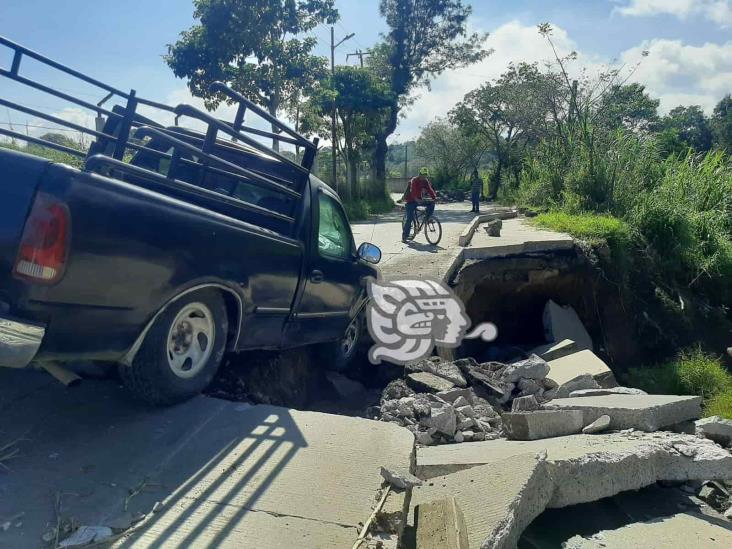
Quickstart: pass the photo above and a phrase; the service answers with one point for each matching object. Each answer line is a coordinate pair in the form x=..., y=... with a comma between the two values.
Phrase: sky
x=689, y=45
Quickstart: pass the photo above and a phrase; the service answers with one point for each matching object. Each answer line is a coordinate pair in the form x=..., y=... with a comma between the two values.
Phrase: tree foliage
x=259, y=47
x=722, y=124
x=690, y=128
x=425, y=38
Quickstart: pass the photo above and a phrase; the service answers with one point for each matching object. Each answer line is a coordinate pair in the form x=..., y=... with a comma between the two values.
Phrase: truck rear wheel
x=181, y=352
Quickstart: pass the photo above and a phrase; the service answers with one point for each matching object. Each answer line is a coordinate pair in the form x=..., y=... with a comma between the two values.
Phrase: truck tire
x=338, y=355
x=181, y=352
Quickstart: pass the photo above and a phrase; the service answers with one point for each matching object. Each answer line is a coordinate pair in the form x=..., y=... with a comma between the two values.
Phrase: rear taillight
x=44, y=245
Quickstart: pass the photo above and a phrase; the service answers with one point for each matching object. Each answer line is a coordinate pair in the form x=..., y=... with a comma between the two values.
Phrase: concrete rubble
x=553, y=350
x=643, y=412
x=715, y=428
x=602, y=423
x=440, y=524
x=539, y=424
x=569, y=367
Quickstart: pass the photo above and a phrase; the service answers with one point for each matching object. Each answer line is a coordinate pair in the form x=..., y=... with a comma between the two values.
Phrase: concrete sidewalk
x=226, y=474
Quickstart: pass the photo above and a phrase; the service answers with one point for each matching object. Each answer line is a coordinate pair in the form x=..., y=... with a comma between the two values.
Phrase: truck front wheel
x=338, y=355
x=181, y=352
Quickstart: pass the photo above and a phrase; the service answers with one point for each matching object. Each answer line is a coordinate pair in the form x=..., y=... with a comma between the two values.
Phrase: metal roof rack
x=113, y=137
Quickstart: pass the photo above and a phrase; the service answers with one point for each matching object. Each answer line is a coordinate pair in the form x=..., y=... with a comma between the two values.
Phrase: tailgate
x=20, y=175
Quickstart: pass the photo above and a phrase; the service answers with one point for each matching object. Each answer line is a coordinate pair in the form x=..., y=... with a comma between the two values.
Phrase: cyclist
x=413, y=195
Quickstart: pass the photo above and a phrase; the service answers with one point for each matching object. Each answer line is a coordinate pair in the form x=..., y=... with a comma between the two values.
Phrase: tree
x=510, y=112
x=252, y=45
x=628, y=106
x=722, y=124
x=425, y=38
x=60, y=139
x=690, y=126
x=359, y=96
x=451, y=152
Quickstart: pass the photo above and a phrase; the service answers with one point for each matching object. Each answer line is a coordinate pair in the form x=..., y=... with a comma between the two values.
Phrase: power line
x=24, y=125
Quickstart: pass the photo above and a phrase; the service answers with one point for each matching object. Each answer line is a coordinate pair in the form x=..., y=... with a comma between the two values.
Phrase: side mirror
x=369, y=252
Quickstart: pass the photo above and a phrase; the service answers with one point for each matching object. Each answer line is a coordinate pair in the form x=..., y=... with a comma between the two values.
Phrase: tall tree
x=691, y=126
x=510, y=112
x=452, y=153
x=359, y=97
x=425, y=38
x=259, y=47
x=627, y=106
x=722, y=124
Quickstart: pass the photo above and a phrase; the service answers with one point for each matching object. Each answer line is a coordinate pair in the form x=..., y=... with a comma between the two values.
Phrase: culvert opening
x=513, y=292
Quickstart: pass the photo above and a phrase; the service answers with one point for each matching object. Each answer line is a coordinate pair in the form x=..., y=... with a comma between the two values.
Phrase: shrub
x=692, y=373
x=358, y=210
x=719, y=405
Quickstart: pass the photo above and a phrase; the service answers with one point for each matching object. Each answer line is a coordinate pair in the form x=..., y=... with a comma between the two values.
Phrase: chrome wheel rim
x=349, y=338
x=190, y=340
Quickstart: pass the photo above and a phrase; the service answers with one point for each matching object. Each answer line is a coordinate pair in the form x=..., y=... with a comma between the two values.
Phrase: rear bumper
x=19, y=342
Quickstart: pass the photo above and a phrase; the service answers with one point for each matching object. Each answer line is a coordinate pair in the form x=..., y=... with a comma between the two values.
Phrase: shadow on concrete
x=109, y=457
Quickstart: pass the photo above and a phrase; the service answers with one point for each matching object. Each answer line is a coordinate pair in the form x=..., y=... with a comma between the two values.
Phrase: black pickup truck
x=172, y=244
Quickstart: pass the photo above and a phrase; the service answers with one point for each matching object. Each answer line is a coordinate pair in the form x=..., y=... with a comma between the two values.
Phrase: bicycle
x=432, y=226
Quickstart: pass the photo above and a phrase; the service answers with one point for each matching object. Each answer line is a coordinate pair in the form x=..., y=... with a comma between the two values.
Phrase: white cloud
x=674, y=72
x=678, y=73
x=719, y=11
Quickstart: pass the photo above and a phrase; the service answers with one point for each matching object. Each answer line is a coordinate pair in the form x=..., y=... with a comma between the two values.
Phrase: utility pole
x=360, y=54
x=406, y=156
x=333, y=47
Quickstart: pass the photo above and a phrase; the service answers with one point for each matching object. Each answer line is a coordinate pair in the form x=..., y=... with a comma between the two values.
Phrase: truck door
x=333, y=274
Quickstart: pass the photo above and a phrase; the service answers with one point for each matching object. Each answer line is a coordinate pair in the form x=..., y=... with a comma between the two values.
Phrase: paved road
x=417, y=258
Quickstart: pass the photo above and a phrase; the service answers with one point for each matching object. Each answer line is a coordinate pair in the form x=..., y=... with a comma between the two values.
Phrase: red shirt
x=417, y=187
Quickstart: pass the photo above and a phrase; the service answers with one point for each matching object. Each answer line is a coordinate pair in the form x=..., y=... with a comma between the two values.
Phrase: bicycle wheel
x=433, y=230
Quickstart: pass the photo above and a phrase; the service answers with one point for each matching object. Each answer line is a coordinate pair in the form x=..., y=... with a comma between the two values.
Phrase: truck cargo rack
x=122, y=129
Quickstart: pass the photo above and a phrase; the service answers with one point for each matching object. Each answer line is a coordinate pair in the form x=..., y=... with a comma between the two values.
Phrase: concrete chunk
x=498, y=501
x=587, y=468
x=569, y=367
x=680, y=530
x=425, y=381
x=542, y=424
x=440, y=525
x=580, y=383
x=643, y=412
x=600, y=424
x=555, y=349
x=563, y=323
x=533, y=367
x=715, y=428
x=525, y=404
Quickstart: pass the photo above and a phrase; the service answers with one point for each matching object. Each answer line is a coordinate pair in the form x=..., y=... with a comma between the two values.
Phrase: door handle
x=316, y=277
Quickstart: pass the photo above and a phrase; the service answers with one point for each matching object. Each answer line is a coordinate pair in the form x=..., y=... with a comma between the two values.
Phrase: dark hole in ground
x=555, y=526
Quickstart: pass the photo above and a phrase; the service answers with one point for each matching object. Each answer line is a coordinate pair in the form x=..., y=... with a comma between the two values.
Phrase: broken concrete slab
x=580, y=383
x=602, y=423
x=555, y=349
x=715, y=428
x=569, y=367
x=587, y=468
x=425, y=381
x=533, y=367
x=680, y=530
x=643, y=412
x=400, y=478
x=498, y=501
x=542, y=424
x=493, y=228
x=611, y=391
x=445, y=370
x=525, y=404
x=564, y=323
x=440, y=525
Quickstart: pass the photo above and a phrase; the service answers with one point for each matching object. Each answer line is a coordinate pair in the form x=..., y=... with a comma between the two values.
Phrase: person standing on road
x=415, y=190
x=476, y=187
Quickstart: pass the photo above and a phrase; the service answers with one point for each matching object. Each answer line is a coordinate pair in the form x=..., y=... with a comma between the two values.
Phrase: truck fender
x=130, y=355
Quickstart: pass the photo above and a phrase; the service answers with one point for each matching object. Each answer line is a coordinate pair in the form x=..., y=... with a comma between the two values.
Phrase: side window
x=334, y=234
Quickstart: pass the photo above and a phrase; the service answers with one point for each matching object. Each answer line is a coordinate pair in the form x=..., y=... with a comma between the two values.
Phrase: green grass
x=692, y=373
x=45, y=152
x=596, y=229
x=359, y=210
x=719, y=405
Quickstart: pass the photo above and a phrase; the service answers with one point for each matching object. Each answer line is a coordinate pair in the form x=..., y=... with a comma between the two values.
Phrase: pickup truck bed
x=191, y=246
